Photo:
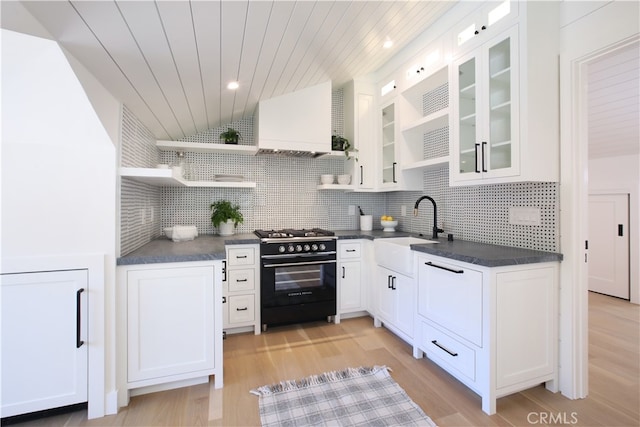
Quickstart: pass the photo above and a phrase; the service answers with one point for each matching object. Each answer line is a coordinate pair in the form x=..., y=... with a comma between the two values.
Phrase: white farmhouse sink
x=395, y=253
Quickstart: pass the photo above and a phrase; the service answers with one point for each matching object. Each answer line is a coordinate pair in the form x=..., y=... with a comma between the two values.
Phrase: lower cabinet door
x=170, y=322
x=44, y=334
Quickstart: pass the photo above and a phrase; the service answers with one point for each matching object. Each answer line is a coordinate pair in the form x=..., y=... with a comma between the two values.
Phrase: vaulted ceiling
x=170, y=61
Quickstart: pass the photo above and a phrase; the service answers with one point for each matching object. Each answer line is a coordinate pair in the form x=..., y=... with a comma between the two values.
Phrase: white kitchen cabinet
x=396, y=302
x=173, y=324
x=486, y=111
x=494, y=329
x=241, y=289
x=500, y=98
x=359, y=126
x=44, y=340
x=484, y=23
x=425, y=127
x=389, y=170
x=352, y=296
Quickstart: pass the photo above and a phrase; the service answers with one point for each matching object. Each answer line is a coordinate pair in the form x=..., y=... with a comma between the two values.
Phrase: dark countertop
x=211, y=247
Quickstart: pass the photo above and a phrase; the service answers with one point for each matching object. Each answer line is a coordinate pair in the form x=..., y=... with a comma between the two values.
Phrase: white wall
x=588, y=29
x=621, y=174
x=58, y=178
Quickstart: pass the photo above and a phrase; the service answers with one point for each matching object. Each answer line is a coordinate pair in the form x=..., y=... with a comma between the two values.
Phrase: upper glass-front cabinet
x=389, y=144
x=493, y=15
x=485, y=135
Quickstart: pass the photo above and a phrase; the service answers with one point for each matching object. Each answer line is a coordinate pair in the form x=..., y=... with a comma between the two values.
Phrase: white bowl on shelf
x=326, y=179
x=344, y=179
x=389, y=225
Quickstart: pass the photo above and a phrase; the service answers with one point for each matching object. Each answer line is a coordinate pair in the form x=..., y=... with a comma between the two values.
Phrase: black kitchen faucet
x=436, y=230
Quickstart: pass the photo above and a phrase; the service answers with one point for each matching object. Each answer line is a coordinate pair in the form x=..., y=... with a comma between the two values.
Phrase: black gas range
x=297, y=275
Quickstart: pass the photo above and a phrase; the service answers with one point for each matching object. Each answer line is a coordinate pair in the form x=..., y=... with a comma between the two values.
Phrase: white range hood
x=296, y=123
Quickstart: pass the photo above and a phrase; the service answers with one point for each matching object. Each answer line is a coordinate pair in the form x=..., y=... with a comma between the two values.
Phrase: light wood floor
x=294, y=352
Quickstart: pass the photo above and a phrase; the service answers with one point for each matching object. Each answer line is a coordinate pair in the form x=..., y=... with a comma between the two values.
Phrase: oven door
x=297, y=279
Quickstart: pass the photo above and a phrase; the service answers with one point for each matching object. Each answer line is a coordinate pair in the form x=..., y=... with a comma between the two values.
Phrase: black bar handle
x=361, y=174
x=242, y=309
x=441, y=347
x=241, y=256
x=79, y=342
x=224, y=300
x=394, y=172
x=484, y=165
x=224, y=270
x=476, y=158
x=393, y=283
x=351, y=250
x=430, y=264
x=343, y=271
x=389, y=282
x=620, y=233
x=241, y=280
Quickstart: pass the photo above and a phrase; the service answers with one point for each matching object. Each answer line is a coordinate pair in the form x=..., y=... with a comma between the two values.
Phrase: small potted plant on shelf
x=226, y=216
x=230, y=136
x=340, y=143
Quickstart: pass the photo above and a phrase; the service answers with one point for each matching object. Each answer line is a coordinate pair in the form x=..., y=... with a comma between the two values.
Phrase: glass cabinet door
x=499, y=150
x=486, y=124
x=468, y=149
x=388, y=144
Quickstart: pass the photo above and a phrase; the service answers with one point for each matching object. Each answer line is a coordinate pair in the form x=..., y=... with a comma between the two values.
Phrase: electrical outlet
x=352, y=210
x=403, y=210
x=524, y=216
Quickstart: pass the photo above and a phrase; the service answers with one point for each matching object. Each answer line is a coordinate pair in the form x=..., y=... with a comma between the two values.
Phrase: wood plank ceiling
x=614, y=104
x=170, y=61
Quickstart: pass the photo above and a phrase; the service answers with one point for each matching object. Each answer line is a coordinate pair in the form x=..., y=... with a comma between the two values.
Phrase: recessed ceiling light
x=233, y=85
x=387, y=43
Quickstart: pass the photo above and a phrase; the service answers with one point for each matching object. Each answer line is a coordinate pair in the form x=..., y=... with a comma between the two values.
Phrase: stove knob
x=307, y=248
x=322, y=247
x=314, y=247
x=281, y=249
x=299, y=248
x=291, y=248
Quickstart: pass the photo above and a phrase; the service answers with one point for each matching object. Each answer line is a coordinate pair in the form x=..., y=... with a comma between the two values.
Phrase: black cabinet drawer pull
x=79, y=342
x=224, y=270
x=484, y=164
x=241, y=280
x=476, y=157
x=242, y=309
x=241, y=256
x=393, y=283
x=351, y=250
x=389, y=282
x=430, y=264
x=441, y=347
x=343, y=272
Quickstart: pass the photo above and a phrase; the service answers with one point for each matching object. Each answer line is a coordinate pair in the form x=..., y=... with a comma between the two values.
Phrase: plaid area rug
x=365, y=396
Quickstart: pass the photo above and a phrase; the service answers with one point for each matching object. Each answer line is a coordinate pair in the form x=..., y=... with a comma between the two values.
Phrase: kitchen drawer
x=241, y=256
x=441, y=347
x=241, y=308
x=241, y=280
x=450, y=295
x=350, y=250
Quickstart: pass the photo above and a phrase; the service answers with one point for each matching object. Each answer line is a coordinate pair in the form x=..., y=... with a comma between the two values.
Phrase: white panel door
x=609, y=244
x=170, y=329
x=44, y=340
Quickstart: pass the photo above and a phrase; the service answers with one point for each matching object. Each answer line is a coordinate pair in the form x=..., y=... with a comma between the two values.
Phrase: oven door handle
x=295, y=264
x=303, y=255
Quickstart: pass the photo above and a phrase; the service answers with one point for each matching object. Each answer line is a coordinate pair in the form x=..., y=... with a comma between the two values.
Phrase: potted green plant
x=230, y=136
x=226, y=216
x=349, y=148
